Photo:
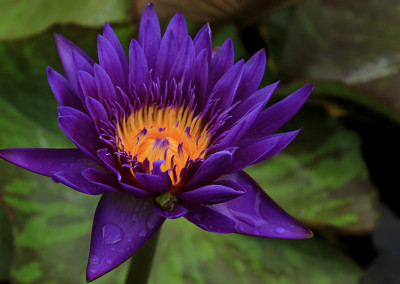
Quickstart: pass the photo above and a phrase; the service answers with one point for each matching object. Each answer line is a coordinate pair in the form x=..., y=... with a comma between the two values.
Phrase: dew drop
x=143, y=234
x=134, y=218
x=64, y=164
x=129, y=240
x=109, y=261
x=93, y=271
x=112, y=234
x=256, y=232
x=280, y=230
x=94, y=260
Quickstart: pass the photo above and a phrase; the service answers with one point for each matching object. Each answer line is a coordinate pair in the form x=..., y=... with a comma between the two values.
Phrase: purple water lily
x=165, y=134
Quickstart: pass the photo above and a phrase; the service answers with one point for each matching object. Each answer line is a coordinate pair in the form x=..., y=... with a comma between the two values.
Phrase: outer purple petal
x=75, y=180
x=184, y=61
x=211, y=169
x=150, y=35
x=65, y=50
x=210, y=220
x=47, y=161
x=105, y=87
x=177, y=212
x=203, y=41
x=63, y=92
x=253, y=73
x=261, y=96
x=210, y=194
x=278, y=114
x=107, y=181
x=284, y=140
x=152, y=183
x=138, y=70
x=110, y=62
x=81, y=130
x=248, y=153
x=226, y=86
x=87, y=84
x=122, y=224
x=221, y=61
x=97, y=113
x=255, y=213
x=178, y=26
x=201, y=73
x=166, y=56
x=109, y=34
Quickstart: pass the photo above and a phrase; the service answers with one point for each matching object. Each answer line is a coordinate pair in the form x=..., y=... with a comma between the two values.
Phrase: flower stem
x=140, y=265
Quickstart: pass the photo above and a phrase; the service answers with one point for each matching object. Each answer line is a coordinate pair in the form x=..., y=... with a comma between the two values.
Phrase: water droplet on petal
x=129, y=240
x=93, y=271
x=109, y=261
x=112, y=234
x=280, y=230
x=256, y=232
x=94, y=259
x=143, y=234
x=134, y=218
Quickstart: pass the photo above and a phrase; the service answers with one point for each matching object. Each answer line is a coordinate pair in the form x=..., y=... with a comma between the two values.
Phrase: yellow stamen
x=159, y=133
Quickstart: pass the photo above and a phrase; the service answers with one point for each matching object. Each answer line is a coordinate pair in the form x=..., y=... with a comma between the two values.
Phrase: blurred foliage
x=349, y=49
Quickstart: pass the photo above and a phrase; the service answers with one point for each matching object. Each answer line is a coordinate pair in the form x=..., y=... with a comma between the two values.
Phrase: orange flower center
x=171, y=134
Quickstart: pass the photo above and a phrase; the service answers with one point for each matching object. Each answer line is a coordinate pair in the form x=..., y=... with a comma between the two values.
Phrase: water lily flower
x=165, y=134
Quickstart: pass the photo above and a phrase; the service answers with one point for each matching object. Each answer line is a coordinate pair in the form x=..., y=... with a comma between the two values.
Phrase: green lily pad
x=187, y=254
x=23, y=18
x=321, y=177
x=338, y=41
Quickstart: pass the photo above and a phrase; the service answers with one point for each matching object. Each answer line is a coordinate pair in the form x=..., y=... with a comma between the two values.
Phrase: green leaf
x=321, y=177
x=6, y=245
x=22, y=18
x=187, y=254
x=338, y=41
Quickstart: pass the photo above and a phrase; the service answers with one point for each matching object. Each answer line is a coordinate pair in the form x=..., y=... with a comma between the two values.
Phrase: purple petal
x=203, y=41
x=226, y=86
x=149, y=35
x=97, y=113
x=184, y=61
x=109, y=34
x=255, y=213
x=138, y=70
x=108, y=160
x=221, y=61
x=47, y=161
x=110, y=62
x=177, y=212
x=210, y=220
x=122, y=224
x=201, y=72
x=81, y=130
x=248, y=153
x=133, y=189
x=260, y=97
x=152, y=183
x=62, y=90
x=178, y=27
x=87, y=84
x=233, y=135
x=284, y=140
x=76, y=181
x=278, y=114
x=107, y=181
x=253, y=73
x=212, y=168
x=65, y=49
x=105, y=87
x=166, y=56
x=210, y=194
